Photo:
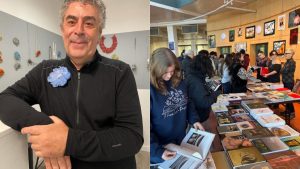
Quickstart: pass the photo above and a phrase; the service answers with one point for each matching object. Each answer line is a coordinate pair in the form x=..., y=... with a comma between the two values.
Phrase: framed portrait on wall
x=250, y=32
x=240, y=45
x=279, y=46
x=269, y=28
x=281, y=22
x=231, y=35
x=294, y=18
x=293, y=36
x=240, y=32
x=211, y=41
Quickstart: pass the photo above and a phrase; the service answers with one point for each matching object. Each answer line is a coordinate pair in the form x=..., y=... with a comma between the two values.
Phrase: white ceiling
x=164, y=15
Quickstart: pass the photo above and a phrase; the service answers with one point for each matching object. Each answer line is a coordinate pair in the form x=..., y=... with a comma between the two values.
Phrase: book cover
x=262, y=165
x=269, y=145
x=294, y=95
x=235, y=142
x=241, y=118
x=272, y=120
x=264, y=71
x=283, y=131
x=245, y=156
x=235, y=112
x=228, y=129
x=292, y=142
x=283, y=160
x=224, y=119
x=219, y=108
x=244, y=125
x=257, y=133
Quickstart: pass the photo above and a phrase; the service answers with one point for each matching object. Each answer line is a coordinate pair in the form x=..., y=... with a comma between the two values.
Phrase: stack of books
x=256, y=108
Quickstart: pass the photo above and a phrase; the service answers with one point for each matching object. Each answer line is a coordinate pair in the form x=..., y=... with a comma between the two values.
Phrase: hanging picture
x=211, y=41
x=269, y=28
x=293, y=36
x=240, y=45
x=231, y=35
x=240, y=32
x=250, y=32
x=294, y=18
x=281, y=22
x=279, y=46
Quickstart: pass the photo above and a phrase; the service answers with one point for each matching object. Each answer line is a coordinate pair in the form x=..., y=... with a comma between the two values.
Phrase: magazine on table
x=192, y=151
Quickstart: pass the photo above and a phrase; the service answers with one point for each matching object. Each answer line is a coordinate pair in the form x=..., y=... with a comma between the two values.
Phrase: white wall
x=122, y=15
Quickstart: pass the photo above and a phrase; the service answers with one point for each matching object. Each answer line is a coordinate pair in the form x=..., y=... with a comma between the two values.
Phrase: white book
x=283, y=131
x=216, y=108
x=192, y=151
x=270, y=120
x=255, y=113
x=269, y=145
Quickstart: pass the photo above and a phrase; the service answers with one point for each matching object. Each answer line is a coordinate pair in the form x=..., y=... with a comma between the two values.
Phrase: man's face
x=80, y=30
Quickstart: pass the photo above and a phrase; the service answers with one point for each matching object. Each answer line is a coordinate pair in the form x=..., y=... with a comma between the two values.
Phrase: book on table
x=272, y=120
x=269, y=145
x=283, y=160
x=283, y=131
x=192, y=151
x=228, y=129
x=292, y=142
x=245, y=156
x=241, y=118
x=262, y=165
x=257, y=133
x=235, y=142
x=224, y=119
x=245, y=125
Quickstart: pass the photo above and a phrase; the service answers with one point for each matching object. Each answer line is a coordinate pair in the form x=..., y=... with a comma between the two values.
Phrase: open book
x=192, y=151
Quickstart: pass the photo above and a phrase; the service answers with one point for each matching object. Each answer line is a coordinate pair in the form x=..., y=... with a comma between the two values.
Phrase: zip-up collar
x=88, y=66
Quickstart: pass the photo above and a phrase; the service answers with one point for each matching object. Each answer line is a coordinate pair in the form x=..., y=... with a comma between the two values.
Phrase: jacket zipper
x=77, y=98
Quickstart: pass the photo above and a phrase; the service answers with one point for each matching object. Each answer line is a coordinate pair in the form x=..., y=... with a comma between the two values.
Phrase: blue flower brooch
x=59, y=76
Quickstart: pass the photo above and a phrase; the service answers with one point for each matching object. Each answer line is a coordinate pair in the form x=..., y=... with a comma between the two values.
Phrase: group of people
x=180, y=96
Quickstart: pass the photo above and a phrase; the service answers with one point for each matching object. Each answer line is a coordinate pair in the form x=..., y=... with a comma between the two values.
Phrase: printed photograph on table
x=250, y=32
x=231, y=36
x=211, y=41
x=279, y=46
x=294, y=36
x=269, y=28
x=294, y=18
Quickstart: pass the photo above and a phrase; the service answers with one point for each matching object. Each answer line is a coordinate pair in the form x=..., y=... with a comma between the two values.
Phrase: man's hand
x=198, y=126
x=48, y=140
x=58, y=163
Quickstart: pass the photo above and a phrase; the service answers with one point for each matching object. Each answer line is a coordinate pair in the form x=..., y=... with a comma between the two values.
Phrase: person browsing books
x=262, y=61
x=274, y=68
x=170, y=108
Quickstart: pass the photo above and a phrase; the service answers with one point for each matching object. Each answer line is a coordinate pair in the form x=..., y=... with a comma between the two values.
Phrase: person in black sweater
x=274, y=68
x=239, y=75
x=198, y=90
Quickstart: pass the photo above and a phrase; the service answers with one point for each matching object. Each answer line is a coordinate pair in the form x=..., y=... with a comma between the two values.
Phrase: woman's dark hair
x=202, y=64
x=273, y=52
x=221, y=56
x=228, y=60
x=236, y=58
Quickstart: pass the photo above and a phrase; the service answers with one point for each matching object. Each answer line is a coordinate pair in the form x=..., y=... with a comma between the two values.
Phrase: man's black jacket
x=99, y=104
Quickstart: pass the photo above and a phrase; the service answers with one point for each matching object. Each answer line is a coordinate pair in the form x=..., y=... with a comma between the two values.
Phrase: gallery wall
x=266, y=10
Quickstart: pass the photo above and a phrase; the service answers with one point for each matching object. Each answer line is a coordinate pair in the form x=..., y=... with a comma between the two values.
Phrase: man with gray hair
x=91, y=116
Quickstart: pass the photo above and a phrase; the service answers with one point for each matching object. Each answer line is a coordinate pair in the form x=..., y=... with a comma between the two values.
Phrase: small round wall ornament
x=17, y=66
x=16, y=41
x=223, y=36
x=258, y=29
x=38, y=53
x=17, y=56
x=1, y=72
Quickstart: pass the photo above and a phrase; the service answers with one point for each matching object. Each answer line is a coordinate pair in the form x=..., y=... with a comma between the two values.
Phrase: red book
x=282, y=89
x=264, y=70
x=294, y=95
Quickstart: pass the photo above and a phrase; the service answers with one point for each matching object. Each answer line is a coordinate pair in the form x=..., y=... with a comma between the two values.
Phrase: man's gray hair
x=97, y=3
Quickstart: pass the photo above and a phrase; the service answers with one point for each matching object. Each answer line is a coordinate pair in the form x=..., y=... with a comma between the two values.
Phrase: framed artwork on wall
x=293, y=36
x=240, y=45
x=231, y=36
x=269, y=28
x=281, y=22
x=279, y=46
x=250, y=32
x=240, y=32
x=211, y=41
x=294, y=18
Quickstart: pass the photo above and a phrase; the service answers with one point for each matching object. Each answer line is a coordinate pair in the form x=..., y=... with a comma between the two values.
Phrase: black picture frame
x=269, y=28
x=279, y=46
x=250, y=32
x=231, y=35
x=212, y=41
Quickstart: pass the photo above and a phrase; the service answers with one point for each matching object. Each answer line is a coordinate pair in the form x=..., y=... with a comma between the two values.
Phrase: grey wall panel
x=133, y=48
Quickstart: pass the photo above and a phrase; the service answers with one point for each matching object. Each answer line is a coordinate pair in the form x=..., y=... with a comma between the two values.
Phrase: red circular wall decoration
x=112, y=47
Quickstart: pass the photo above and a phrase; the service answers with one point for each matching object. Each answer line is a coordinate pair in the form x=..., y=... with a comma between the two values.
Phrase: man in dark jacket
x=91, y=116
